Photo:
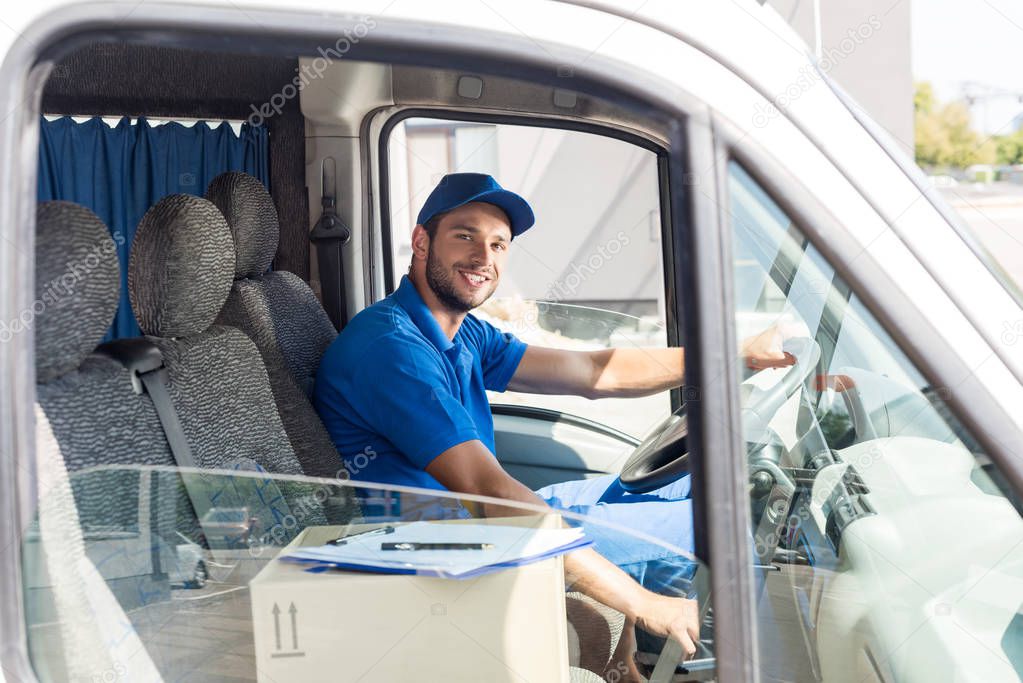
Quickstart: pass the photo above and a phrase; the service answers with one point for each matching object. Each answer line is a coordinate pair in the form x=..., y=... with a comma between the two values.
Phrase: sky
x=955, y=41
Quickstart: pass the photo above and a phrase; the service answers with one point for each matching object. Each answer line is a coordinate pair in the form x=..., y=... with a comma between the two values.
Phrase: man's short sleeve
x=408, y=402
x=499, y=352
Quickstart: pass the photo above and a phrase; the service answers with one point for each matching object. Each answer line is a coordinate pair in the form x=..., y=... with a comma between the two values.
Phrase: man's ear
x=420, y=242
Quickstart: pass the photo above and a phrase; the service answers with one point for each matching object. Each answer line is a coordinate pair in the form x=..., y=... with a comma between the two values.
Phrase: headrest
x=77, y=287
x=250, y=212
x=181, y=266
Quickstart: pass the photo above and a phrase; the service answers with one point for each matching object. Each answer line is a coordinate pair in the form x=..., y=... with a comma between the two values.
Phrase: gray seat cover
x=179, y=276
x=300, y=326
x=281, y=315
x=95, y=416
x=87, y=417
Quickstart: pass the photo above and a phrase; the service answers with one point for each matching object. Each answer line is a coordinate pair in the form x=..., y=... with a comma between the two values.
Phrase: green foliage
x=1010, y=148
x=923, y=98
x=944, y=137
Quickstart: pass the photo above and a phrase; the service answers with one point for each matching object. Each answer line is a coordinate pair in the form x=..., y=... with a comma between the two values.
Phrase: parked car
x=230, y=527
x=189, y=567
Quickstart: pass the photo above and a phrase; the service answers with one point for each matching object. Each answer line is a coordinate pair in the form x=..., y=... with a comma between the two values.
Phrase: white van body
x=724, y=66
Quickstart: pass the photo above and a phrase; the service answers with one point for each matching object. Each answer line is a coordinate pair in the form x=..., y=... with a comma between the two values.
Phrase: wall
x=865, y=47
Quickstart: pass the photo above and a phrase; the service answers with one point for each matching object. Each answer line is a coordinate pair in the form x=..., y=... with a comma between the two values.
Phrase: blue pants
x=665, y=514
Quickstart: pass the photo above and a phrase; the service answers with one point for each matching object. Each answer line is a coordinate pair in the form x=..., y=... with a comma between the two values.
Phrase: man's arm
x=597, y=374
x=626, y=373
x=470, y=468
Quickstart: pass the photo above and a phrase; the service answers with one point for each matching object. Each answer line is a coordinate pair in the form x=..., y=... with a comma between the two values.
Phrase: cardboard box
x=354, y=626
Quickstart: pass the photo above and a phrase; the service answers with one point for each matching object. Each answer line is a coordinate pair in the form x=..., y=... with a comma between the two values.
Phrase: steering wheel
x=663, y=457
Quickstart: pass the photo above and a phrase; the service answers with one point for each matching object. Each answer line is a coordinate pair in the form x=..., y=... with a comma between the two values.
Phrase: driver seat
x=594, y=633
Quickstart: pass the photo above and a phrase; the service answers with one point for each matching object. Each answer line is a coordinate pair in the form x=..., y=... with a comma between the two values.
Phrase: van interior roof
x=130, y=79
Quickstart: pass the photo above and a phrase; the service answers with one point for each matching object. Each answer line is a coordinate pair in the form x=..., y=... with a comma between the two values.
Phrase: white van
x=879, y=478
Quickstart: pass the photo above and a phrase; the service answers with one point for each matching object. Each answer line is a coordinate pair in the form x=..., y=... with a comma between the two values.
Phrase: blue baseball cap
x=456, y=189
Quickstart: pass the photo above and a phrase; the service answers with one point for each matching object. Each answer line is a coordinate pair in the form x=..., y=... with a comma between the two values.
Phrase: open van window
x=591, y=273
x=223, y=470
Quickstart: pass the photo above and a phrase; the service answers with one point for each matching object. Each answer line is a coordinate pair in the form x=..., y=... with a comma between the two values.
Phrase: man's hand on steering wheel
x=764, y=350
x=677, y=618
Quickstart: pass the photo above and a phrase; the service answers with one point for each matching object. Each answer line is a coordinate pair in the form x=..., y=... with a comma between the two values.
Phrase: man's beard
x=441, y=281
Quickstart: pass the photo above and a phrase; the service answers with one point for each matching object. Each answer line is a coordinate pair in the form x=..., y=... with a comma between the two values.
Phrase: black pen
x=436, y=546
x=373, y=532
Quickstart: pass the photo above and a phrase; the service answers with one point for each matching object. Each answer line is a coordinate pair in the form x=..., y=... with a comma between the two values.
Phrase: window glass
x=588, y=275
x=887, y=544
x=191, y=585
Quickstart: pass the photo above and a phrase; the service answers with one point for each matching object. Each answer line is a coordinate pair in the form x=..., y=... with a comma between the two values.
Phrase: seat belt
x=144, y=361
x=329, y=234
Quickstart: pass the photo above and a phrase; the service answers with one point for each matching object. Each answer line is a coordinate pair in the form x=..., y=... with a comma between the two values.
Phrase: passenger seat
x=180, y=274
x=280, y=305
x=95, y=416
x=87, y=417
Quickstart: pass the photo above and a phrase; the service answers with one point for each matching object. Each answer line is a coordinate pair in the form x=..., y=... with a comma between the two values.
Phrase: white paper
x=512, y=545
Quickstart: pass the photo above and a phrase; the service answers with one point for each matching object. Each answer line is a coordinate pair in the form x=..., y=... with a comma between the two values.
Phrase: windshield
x=1011, y=281
x=583, y=328
x=878, y=521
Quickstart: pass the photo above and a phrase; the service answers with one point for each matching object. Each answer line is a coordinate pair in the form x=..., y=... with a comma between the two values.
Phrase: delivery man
x=406, y=382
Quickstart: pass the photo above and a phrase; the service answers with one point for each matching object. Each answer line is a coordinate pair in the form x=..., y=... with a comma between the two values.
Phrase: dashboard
x=912, y=558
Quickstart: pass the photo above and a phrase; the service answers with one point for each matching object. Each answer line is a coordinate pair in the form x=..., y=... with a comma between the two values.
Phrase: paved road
x=995, y=215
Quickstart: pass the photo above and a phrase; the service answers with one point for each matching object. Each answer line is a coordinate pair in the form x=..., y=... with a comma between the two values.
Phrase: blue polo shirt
x=394, y=392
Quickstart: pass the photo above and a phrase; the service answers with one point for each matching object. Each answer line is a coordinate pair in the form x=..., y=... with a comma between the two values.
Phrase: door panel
x=545, y=450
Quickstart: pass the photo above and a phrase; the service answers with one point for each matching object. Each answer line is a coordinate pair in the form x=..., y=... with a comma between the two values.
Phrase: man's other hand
x=677, y=618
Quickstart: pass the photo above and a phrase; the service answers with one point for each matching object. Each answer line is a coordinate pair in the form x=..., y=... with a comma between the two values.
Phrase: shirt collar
x=408, y=298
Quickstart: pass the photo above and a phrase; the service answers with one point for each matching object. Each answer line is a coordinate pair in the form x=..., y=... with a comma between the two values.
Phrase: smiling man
x=404, y=387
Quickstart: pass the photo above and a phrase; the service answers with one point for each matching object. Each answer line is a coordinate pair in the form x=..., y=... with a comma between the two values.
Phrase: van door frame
x=697, y=270
x=382, y=176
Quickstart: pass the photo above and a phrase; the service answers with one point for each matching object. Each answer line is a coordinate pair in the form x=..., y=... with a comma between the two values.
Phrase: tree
x=927, y=132
x=1010, y=148
x=943, y=135
x=923, y=98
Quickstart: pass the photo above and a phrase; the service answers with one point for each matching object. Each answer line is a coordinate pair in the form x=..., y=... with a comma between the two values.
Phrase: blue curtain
x=120, y=172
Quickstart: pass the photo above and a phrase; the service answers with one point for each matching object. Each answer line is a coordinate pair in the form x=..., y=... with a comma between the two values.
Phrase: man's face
x=467, y=254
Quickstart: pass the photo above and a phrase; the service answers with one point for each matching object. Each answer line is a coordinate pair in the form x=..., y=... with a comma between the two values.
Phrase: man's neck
x=448, y=320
